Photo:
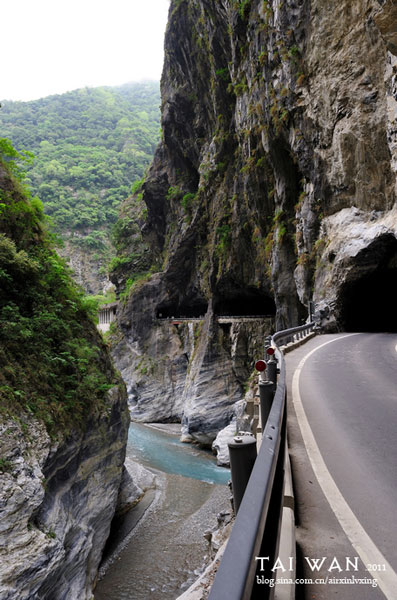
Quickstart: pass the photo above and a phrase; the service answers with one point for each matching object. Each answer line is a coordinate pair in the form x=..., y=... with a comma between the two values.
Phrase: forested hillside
x=51, y=364
x=90, y=145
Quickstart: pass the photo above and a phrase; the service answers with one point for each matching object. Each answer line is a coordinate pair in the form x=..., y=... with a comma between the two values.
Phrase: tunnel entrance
x=190, y=310
x=369, y=299
x=247, y=303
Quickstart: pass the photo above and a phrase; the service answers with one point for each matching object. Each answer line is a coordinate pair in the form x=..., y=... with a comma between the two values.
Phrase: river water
x=167, y=551
x=156, y=449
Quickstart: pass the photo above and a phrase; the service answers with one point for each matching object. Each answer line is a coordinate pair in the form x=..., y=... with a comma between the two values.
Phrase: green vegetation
x=223, y=74
x=135, y=281
x=262, y=58
x=90, y=146
x=132, y=253
x=5, y=465
x=224, y=233
x=188, y=200
x=238, y=88
x=279, y=224
x=51, y=534
x=92, y=303
x=300, y=202
x=243, y=7
x=174, y=192
x=52, y=360
x=294, y=51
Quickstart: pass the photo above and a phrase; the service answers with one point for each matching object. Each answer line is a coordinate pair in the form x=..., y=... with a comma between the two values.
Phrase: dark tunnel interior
x=369, y=301
x=247, y=303
x=194, y=309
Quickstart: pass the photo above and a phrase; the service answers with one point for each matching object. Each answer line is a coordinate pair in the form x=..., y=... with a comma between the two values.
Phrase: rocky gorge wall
x=57, y=503
x=88, y=269
x=274, y=184
x=189, y=371
x=63, y=413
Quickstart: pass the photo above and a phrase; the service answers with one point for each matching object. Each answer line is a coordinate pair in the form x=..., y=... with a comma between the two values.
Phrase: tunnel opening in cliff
x=245, y=303
x=192, y=309
x=369, y=297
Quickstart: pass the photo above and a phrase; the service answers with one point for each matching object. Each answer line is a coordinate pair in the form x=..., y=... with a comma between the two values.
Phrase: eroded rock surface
x=190, y=372
x=274, y=184
x=57, y=503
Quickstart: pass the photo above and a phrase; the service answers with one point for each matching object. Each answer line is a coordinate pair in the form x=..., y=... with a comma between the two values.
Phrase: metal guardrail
x=256, y=531
x=217, y=317
x=294, y=334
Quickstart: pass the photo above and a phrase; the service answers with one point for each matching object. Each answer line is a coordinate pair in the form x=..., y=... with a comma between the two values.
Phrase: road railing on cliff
x=245, y=571
x=219, y=318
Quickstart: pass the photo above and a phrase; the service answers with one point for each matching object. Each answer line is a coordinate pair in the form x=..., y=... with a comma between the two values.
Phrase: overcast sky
x=53, y=46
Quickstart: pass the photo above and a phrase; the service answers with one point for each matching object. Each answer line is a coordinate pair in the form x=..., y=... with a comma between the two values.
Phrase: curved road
x=344, y=405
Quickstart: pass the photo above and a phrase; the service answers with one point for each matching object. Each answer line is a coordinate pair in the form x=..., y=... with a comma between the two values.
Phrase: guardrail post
x=311, y=309
x=268, y=342
x=266, y=395
x=271, y=370
x=242, y=452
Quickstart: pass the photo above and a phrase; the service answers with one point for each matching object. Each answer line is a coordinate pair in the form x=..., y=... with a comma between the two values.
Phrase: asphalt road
x=343, y=444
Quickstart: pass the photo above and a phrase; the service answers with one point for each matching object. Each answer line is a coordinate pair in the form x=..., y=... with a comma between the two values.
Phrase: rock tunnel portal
x=245, y=303
x=234, y=303
x=368, y=299
x=192, y=309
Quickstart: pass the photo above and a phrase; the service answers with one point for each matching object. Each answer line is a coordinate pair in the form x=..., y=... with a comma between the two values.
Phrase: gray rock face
x=220, y=443
x=189, y=372
x=274, y=183
x=57, y=503
x=358, y=241
x=352, y=106
x=241, y=422
x=86, y=269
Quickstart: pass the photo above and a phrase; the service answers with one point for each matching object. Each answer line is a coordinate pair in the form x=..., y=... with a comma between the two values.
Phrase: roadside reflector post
x=266, y=395
x=260, y=366
x=272, y=367
x=270, y=353
x=272, y=372
x=242, y=452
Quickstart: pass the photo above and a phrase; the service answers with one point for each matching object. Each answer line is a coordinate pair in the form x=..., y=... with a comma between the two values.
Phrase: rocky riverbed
x=166, y=550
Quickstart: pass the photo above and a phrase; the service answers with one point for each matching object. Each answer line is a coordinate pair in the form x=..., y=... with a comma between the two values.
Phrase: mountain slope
x=90, y=145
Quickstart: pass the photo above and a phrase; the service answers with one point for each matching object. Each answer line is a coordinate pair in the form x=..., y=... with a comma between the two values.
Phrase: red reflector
x=260, y=365
x=270, y=351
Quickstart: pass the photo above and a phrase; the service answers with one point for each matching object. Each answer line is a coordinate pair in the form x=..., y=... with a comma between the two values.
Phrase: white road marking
x=360, y=540
x=396, y=348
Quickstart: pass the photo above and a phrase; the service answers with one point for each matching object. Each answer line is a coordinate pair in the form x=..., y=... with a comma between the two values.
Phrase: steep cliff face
x=63, y=413
x=351, y=101
x=89, y=269
x=58, y=500
x=193, y=372
x=275, y=179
